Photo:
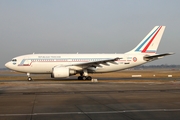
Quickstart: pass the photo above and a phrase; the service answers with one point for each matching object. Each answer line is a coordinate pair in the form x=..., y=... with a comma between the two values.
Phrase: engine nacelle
x=62, y=72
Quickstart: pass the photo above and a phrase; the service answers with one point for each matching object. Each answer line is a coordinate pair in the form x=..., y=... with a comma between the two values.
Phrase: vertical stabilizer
x=151, y=42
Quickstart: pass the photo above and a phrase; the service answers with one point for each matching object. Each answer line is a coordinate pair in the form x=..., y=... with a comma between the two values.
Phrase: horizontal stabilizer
x=153, y=57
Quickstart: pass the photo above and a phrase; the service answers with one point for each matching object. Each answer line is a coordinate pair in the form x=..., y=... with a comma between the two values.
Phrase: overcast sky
x=86, y=26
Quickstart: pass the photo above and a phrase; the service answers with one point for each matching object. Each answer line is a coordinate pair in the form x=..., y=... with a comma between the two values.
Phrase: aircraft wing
x=153, y=57
x=96, y=63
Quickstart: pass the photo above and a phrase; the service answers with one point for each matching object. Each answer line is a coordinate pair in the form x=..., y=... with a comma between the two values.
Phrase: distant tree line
x=163, y=66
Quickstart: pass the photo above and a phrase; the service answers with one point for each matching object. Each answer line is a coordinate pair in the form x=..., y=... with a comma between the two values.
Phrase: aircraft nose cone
x=7, y=64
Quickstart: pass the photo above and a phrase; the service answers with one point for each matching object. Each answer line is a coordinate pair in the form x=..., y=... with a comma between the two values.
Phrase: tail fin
x=151, y=42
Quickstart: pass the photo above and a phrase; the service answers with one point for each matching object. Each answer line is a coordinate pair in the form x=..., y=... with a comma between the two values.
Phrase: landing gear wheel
x=83, y=77
x=80, y=78
x=29, y=79
x=88, y=78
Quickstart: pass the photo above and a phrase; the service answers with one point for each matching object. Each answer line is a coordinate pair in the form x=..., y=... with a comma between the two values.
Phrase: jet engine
x=62, y=72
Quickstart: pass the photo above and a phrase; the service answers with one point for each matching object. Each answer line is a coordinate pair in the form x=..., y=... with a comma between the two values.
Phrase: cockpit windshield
x=14, y=60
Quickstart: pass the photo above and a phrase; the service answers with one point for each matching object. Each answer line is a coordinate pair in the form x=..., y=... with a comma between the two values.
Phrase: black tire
x=83, y=77
x=29, y=79
x=80, y=78
x=88, y=78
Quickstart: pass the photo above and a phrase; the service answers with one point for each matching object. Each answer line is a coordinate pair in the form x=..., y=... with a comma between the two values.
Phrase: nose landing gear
x=29, y=78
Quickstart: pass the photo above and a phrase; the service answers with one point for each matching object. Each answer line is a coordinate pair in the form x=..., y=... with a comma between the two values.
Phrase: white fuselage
x=44, y=63
x=65, y=65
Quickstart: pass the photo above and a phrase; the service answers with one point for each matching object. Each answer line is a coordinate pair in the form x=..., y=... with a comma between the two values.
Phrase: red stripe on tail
x=145, y=49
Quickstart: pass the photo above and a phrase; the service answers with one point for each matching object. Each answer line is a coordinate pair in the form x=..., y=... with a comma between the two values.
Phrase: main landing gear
x=84, y=76
x=29, y=78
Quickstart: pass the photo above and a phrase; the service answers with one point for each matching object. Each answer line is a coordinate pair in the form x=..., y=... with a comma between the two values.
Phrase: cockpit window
x=14, y=60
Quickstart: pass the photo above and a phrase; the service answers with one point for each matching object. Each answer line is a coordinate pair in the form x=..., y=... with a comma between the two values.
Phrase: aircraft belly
x=118, y=67
x=109, y=68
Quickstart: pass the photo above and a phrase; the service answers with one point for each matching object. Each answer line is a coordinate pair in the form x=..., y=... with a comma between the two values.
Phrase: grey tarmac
x=85, y=100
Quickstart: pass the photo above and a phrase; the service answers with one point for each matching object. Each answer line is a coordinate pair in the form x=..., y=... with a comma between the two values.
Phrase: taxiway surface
x=84, y=100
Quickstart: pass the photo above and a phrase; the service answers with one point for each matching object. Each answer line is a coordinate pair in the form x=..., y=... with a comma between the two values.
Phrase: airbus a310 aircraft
x=65, y=65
